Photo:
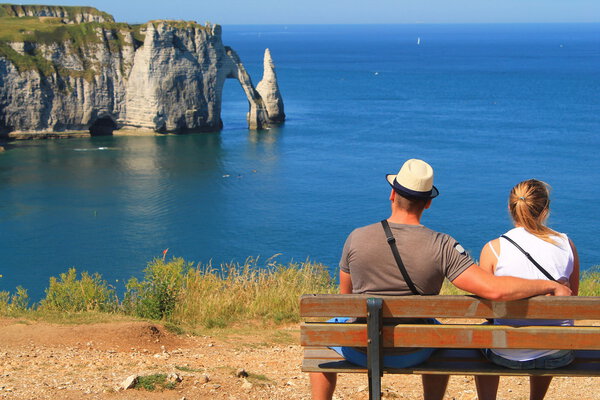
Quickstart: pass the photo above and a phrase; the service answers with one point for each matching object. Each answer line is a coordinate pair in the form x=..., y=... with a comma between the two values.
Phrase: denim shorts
x=556, y=360
x=358, y=356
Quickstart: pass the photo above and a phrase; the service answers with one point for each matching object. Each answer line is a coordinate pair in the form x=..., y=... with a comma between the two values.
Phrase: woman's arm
x=574, y=278
x=487, y=258
x=345, y=283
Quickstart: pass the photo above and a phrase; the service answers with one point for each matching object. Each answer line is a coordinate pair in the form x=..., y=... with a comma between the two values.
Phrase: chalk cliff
x=98, y=75
x=74, y=15
x=269, y=91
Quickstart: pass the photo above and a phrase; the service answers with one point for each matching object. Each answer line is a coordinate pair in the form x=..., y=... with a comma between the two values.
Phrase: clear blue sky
x=346, y=11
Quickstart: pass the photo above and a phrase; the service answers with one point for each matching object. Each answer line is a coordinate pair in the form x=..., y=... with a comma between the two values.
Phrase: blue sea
x=486, y=105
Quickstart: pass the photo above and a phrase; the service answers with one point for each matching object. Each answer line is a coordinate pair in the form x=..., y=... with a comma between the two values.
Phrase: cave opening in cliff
x=103, y=127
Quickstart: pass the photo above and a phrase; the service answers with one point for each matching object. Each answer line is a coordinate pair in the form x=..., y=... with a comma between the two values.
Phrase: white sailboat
x=418, y=41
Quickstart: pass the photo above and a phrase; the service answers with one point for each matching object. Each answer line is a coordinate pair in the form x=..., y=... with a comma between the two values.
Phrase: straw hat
x=415, y=179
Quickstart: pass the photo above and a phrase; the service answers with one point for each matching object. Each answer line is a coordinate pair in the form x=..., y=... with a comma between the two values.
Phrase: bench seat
x=450, y=362
x=458, y=339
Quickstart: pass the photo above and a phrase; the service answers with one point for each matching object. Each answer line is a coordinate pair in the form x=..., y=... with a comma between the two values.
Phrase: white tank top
x=557, y=259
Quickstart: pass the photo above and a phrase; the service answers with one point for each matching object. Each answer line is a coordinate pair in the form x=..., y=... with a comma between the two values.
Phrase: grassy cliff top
x=17, y=10
x=181, y=24
x=46, y=25
x=50, y=29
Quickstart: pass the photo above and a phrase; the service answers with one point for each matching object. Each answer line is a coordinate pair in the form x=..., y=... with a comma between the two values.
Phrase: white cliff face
x=269, y=91
x=172, y=82
x=72, y=93
x=73, y=15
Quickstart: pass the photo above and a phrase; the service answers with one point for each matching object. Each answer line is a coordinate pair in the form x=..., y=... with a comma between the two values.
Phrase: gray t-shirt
x=428, y=256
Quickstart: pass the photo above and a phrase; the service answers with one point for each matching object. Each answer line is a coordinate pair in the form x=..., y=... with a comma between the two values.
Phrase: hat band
x=411, y=192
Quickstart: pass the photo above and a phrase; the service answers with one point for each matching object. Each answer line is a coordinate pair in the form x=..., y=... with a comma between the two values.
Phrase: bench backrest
x=453, y=335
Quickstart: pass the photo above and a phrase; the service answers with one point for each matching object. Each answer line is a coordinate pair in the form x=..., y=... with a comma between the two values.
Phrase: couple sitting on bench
x=399, y=256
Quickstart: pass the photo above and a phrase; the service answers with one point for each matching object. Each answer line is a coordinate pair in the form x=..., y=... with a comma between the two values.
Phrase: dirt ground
x=48, y=361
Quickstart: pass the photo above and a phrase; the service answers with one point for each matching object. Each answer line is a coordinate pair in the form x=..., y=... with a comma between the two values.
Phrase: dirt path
x=47, y=361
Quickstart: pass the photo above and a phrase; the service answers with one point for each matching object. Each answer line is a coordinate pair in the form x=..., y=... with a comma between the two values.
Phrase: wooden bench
x=457, y=341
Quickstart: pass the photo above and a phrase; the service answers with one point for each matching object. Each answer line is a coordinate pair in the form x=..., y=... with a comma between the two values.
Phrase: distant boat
x=418, y=40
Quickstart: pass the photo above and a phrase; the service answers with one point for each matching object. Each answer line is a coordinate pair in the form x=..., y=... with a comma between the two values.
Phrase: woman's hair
x=529, y=206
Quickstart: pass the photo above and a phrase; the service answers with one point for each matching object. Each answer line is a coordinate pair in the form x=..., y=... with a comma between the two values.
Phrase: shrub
x=589, y=284
x=216, y=297
x=155, y=297
x=89, y=293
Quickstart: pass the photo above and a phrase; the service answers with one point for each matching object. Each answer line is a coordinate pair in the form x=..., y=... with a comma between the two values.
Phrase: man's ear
x=428, y=204
x=392, y=195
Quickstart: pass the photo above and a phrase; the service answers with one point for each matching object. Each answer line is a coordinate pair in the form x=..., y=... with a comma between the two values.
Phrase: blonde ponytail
x=529, y=206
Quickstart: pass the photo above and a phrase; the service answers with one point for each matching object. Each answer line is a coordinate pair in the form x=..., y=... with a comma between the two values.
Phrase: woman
x=556, y=256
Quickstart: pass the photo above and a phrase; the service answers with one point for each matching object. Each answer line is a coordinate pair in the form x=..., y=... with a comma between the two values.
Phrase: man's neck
x=402, y=217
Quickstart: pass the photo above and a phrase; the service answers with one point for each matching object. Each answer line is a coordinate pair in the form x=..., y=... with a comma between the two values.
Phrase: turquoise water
x=486, y=105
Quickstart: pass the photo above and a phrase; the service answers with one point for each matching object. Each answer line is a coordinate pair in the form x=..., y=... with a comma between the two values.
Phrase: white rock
x=247, y=385
x=129, y=382
x=269, y=91
x=241, y=373
x=174, y=377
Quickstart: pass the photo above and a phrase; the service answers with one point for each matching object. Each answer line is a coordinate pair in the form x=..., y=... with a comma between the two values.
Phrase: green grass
x=187, y=369
x=197, y=299
x=75, y=38
x=154, y=382
x=12, y=10
x=589, y=284
x=186, y=298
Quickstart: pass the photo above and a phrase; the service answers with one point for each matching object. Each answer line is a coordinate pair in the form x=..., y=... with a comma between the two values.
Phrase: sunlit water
x=487, y=106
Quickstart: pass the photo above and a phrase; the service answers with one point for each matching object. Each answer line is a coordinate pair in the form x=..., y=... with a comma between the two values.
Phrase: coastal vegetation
x=186, y=296
x=15, y=10
x=180, y=294
x=76, y=39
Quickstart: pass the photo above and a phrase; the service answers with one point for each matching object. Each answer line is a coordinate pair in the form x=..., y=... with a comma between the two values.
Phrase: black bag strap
x=530, y=258
x=392, y=242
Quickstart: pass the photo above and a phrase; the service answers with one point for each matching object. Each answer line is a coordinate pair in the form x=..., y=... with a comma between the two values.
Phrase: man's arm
x=484, y=284
x=345, y=283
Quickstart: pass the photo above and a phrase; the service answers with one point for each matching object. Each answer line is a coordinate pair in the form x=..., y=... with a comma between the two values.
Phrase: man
x=369, y=265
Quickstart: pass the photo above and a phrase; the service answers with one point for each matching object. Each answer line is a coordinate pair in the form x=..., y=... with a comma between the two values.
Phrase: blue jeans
x=552, y=361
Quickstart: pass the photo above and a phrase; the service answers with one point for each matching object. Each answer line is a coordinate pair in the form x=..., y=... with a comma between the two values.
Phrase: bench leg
x=374, y=347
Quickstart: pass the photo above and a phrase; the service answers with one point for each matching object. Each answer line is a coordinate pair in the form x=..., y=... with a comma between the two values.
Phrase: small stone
x=247, y=385
x=204, y=378
x=241, y=373
x=174, y=377
x=129, y=382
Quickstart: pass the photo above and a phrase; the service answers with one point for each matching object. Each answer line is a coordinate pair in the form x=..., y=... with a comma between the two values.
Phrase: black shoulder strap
x=530, y=258
x=392, y=242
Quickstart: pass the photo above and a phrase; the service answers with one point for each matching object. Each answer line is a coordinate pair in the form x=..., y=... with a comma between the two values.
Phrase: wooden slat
x=453, y=362
x=455, y=336
x=541, y=307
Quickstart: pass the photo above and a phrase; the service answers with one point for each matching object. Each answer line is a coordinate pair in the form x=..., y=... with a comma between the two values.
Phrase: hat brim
x=391, y=178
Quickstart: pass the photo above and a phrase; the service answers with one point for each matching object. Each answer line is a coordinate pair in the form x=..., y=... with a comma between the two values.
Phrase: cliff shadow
x=103, y=126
